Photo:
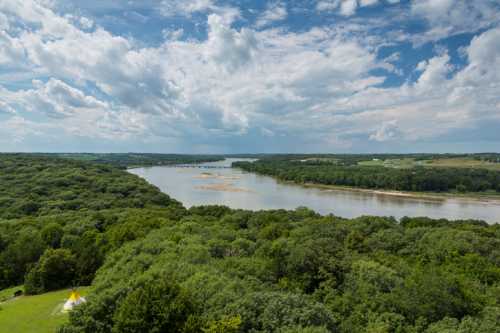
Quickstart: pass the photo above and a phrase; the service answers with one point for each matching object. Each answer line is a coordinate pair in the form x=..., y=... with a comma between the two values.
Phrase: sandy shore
x=223, y=187
x=411, y=195
x=208, y=175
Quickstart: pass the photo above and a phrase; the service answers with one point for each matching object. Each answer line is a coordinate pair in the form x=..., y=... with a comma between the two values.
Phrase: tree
x=54, y=270
x=156, y=305
x=51, y=234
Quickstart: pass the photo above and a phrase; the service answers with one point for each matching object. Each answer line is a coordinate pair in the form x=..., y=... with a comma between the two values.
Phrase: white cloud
x=11, y=51
x=185, y=7
x=451, y=17
x=65, y=108
x=4, y=22
x=86, y=23
x=434, y=72
x=327, y=5
x=365, y=3
x=388, y=131
x=173, y=35
x=58, y=99
x=348, y=7
x=16, y=129
x=227, y=47
x=275, y=11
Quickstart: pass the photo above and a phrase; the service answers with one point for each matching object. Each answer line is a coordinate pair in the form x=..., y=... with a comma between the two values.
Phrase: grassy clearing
x=464, y=163
x=407, y=163
x=34, y=314
x=320, y=159
x=6, y=294
x=404, y=163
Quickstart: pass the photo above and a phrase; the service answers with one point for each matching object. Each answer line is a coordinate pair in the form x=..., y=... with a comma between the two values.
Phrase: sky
x=250, y=76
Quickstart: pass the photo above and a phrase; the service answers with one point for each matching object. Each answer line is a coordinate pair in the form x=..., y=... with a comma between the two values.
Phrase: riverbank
x=434, y=196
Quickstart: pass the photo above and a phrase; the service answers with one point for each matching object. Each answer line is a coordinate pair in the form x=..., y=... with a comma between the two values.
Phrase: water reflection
x=239, y=189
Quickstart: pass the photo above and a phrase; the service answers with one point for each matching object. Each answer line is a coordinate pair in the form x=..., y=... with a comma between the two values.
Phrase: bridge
x=197, y=166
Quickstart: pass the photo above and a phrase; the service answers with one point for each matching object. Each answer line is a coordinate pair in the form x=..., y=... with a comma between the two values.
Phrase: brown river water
x=239, y=189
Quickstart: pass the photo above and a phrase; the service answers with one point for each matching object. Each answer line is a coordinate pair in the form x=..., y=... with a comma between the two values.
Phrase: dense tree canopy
x=127, y=160
x=34, y=186
x=88, y=209
x=282, y=271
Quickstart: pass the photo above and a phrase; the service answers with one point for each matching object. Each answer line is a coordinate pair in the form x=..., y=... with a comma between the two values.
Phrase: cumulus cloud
x=389, y=130
x=16, y=129
x=365, y=3
x=4, y=22
x=275, y=11
x=434, y=72
x=452, y=17
x=327, y=5
x=185, y=7
x=347, y=7
x=227, y=47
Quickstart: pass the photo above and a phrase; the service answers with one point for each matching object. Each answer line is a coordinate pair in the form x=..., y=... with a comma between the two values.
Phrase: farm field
x=407, y=163
x=403, y=163
x=33, y=314
x=464, y=163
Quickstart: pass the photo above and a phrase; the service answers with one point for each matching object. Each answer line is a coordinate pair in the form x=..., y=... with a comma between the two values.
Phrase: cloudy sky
x=194, y=76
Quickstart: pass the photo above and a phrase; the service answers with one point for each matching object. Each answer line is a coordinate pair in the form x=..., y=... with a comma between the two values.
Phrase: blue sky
x=209, y=76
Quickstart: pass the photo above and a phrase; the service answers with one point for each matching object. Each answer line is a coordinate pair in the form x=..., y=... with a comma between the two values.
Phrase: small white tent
x=73, y=300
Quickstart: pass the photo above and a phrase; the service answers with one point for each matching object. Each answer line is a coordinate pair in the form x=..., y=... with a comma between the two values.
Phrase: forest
x=130, y=160
x=350, y=171
x=155, y=266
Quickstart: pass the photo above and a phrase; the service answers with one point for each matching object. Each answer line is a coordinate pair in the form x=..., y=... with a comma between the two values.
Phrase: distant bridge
x=197, y=166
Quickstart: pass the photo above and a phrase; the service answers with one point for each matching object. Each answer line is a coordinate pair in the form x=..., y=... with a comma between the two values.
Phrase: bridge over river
x=199, y=166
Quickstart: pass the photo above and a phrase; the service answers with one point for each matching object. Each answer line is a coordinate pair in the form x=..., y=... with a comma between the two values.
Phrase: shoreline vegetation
x=465, y=178
x=434, y=196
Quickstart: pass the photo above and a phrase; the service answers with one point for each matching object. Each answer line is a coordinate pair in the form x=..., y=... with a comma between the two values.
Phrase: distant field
x=33, y=314
x=407, y=163
x=404, y=163
x=464, y=163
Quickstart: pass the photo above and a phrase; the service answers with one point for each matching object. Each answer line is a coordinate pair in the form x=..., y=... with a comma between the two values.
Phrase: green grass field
x=404, y=163
x=407, y=163
x=33, y=314
x=464, y=163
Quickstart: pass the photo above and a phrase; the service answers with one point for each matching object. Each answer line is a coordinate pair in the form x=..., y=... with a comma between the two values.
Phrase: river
x=235, y=188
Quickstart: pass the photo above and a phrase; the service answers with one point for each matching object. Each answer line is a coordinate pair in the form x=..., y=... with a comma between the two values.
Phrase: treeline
x=129, y=160
x=489, y=157
x=34, y=186
x=66, y=249
x=354, y=159
x=418, y=179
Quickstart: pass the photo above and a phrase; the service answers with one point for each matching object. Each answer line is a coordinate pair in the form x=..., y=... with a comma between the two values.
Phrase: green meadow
x=33, y=314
